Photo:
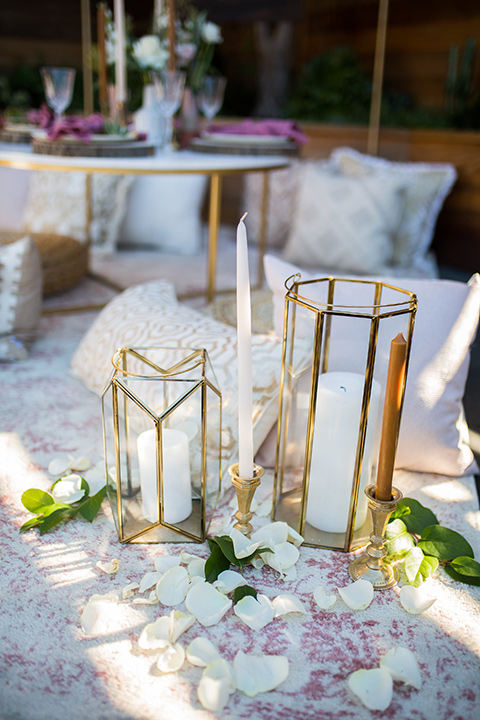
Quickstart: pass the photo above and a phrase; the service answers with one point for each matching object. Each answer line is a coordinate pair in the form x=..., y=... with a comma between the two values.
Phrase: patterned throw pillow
x=426, y=187
x=148, y=315
x=20, y=297
x=344, y=224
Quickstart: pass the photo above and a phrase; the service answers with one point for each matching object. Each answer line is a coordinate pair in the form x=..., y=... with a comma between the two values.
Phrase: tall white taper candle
x=120, y=53
x=244, y=350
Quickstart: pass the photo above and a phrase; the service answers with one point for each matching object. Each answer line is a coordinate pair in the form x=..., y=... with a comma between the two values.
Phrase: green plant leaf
x=413, y=562
x=428, y=566
x=85, y=486
x=398, y=540
x=216, y=563
x=399, y=511
x=466, y=566
x=36, y=500
x=443, y=543
x=56, y=516
x=240, y=592
x=225, y=543
x=33, y=522
x=89, y=508
x=419, y=516
x=467, y=579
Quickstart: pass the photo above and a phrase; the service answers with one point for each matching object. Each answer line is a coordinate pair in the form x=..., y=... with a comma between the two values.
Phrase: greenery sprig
x=222, y=555
x=416, y=539
x=50, y=512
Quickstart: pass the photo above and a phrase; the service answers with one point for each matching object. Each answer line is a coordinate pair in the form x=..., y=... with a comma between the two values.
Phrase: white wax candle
x=177, y=489
x=337, y=423
x=244, y=352
x=120, y=52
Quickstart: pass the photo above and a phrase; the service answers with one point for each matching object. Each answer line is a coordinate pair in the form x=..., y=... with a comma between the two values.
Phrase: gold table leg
x=262, y=241
x=213, y=224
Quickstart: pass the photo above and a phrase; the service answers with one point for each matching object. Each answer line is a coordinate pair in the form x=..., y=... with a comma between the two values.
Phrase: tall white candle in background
x=244, y=350
x=177, y=489
x=337, y=424
x=120, y=52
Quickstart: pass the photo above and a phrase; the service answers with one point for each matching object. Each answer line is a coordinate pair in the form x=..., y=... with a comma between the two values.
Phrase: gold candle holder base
x=245, y=489
x=372, y=565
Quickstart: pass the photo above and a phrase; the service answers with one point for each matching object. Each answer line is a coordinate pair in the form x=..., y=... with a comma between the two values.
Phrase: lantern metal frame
x=290, y=504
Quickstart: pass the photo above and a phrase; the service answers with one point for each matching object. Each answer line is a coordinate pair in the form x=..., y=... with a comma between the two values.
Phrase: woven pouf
x=64, y=259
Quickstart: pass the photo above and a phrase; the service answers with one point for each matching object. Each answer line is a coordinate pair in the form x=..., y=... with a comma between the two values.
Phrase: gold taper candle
x=391, y=417
x=102, y=64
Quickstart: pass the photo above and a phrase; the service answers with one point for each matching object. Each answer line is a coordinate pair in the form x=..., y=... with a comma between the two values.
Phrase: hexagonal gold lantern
x=162, y=420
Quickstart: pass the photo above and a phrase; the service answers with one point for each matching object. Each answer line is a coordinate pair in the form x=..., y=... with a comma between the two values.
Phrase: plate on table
x=19, y=127
x=98, y=138
x=242, y=139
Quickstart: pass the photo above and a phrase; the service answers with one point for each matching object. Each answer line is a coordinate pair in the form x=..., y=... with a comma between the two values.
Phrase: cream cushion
x=342, y=223
x=148, y=315
x=426, y=186
x=434, y=436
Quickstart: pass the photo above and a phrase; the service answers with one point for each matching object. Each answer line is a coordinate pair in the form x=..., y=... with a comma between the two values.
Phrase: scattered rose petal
x=324, y=601
x=80, y=464
x=414, y=600
x=255, y=612
x=201, y=652
x=373, y=687
x=152, y=599
x=258, y=562
x=165, y=562
x=95, y=479
x=129, y=590
x=264, y=509
x=59, y=466
x=68, y=489
x=155, y=635
x=228, y=580
x=259, y=673
x=186, y=557
x=171, y=658
x=149, y=580
x=242, y=545
x=100, y=614
x=172, y=586
x=285, y=555
x=180, y=622
x=207, y=604
x=294, y=537
x=110, y=568
x=271, y=534
x=196, y=568
x=216, y=685
x=402, y=665
x=358, y=595
x=284, y=604
x=289, y=574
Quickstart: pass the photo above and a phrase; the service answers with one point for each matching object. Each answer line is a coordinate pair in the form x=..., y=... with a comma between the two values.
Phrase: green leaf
x=419, y=516
x=85, y=486
x=413, y=562
x=89, y=508
x=467, y=579
x=397, y=527
x=444, y=544
x=240, y=592
x=466, y=566
x=216, y=563
x=428, y=566
x=399, y=511
x=55, y=517
x=36, y=500
x=398, y=541
x=33, y=522
x=225, y=543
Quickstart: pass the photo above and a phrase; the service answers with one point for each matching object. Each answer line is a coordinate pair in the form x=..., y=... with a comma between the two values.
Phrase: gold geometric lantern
x=162, y=420
x=336, y=346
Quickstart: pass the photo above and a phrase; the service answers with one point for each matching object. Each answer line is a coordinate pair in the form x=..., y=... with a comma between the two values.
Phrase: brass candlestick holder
x=245, y=489
x=372, y=565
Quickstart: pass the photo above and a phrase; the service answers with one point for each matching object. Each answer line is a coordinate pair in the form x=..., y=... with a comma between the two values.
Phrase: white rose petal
x=110, y=568
x=255, y=612
x=171, y=658
x=289, y=574
x=149, y=580
x=271, y=534
x=68, y=489
x=186, y=557
x=180, y=622
x=155, y=635
x=294, y=537
x=165, y=562
x=284, y=604
x=216, y=685
x=220, y=669
x=95, y=479
x=285, y=555
x=229, y=580
x=324, y=601
x=402, y=665
x=196, y=568
x=172, y=586
x=201, y=652
x=100, y=614
x=242, y=545
x=414, y=600
x=129, y=590
x=358, y=595
x=259, y=673
x=264, y=509
x=80, y=464
x=207, y=604
x=152, y=599
x=258, y=562
x=373, y=687
x=58, y=466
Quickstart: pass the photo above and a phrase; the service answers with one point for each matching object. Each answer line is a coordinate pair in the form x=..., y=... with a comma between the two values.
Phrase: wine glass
x=210, y=96
x=169, y=86
x=58, y=85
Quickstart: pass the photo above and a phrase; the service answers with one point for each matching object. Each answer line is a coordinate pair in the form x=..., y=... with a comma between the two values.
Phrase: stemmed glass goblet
x=210, y=96
x=58, y=85
x=169, y=86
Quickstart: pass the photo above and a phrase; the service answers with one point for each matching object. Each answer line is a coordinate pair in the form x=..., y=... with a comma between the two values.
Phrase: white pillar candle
x=120, y=52
x=177, y=489
x=337, y=424
x=244, y=351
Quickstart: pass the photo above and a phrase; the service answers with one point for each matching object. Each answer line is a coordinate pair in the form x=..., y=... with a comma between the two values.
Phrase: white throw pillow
x=20, y=297
x=434, y=435
x=426, y=187
x=149, y=315
x=343, y=223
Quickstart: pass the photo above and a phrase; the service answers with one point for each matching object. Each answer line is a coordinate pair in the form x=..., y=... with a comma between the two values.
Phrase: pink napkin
x=43, y=117
x=78, y=127
x=272, y=128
